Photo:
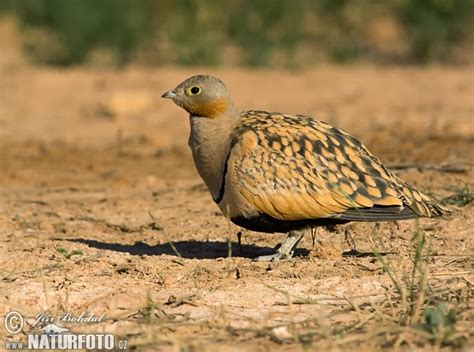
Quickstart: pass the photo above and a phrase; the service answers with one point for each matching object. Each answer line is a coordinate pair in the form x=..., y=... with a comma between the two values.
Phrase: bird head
x=202, y=95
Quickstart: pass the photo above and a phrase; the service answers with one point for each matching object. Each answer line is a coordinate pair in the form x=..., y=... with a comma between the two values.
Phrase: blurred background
x=274, y=33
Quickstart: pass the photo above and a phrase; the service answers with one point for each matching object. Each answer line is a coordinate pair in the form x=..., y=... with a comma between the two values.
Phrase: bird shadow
x=187, y=249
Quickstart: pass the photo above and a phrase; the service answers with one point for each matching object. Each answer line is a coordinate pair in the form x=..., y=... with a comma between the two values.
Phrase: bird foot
x=276, y=257
x=286, y=249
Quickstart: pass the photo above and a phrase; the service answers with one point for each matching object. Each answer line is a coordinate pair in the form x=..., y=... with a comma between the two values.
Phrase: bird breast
x=209, y=141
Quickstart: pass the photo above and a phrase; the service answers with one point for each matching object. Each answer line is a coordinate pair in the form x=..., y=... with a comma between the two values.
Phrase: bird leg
x=239, y=241
x=286, y=249
x=349, y=239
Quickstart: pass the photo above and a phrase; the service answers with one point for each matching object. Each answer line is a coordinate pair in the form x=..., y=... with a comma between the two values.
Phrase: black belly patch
x=266, y=223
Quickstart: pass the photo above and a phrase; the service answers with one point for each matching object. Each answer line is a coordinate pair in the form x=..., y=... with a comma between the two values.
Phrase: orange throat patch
x=212, y=108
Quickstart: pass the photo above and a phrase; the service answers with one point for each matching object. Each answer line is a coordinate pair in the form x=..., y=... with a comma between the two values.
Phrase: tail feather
x=431, y=208
x=420, y=203
x=378, y=213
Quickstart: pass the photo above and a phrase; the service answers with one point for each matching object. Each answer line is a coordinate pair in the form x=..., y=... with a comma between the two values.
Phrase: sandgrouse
x=274, y=172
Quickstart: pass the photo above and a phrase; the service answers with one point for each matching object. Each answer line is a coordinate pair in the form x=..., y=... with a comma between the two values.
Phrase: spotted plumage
x=275, y=172
x=296, y=168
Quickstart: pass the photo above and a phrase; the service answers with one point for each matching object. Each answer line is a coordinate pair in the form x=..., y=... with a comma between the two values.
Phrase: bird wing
x=293, y=167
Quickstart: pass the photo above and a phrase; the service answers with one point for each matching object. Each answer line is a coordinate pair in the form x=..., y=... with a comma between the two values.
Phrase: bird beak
x=171, y=94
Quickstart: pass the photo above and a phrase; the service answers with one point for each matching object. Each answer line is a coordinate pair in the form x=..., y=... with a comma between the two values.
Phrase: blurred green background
x=244, y=32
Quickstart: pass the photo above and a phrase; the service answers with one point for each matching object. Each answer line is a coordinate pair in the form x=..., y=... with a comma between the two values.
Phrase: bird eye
x=195, y=90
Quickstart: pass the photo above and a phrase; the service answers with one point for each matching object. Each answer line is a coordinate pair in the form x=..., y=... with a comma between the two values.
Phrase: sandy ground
x=94, y=161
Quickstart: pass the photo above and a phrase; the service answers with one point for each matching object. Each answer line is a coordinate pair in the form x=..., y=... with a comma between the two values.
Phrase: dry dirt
x=94, y=161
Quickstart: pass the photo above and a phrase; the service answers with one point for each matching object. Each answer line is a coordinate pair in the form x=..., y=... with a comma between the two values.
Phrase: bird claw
x=276, y=257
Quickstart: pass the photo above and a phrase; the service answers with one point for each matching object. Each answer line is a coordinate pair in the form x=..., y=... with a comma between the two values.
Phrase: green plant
x=263, y=27
x=421, y=308
x=439, y=319
x=81, y=26
x=258, y=33
x=461, y=196
x=192, y=29
x=434, y=26
x=68, y=254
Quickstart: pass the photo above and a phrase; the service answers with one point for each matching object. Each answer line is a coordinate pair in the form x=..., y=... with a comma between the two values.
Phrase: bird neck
x=210, y=140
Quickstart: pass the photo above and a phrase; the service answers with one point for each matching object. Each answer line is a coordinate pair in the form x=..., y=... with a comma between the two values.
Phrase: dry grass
x=423, y=307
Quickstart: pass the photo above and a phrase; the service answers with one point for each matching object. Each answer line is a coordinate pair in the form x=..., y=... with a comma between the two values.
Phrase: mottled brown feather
x=292, y=167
